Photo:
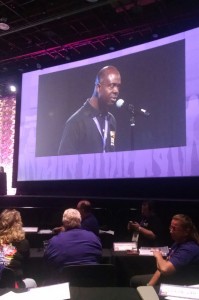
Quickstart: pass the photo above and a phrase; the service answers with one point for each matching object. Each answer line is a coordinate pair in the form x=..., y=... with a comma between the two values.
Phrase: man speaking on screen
x=92, y=128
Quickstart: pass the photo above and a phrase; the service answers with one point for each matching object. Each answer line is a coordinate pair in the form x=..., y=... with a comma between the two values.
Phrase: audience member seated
x=14, y=246
x=183, y=256
x=147, y=232
x=89, y=221
x=74, y=245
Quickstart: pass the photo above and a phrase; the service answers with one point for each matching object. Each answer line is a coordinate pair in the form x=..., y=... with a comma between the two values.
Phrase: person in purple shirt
x=74, y=245
x=182, y=263
x=89, y=221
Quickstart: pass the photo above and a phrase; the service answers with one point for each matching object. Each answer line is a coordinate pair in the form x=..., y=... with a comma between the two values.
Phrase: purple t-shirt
x=185, y=259
x=183, y=254
x=72, y=247
x=90, y=223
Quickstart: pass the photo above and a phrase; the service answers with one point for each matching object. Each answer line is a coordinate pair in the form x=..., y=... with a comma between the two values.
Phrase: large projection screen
x=161, y=76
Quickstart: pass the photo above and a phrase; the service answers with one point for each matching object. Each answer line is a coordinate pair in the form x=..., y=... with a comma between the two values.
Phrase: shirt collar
x=94, y=112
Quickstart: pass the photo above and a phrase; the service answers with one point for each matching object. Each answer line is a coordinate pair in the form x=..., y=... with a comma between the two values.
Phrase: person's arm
x=164, y=266
x=147, y=233
x=154, y=280
x=57, y=230
x=134, y=226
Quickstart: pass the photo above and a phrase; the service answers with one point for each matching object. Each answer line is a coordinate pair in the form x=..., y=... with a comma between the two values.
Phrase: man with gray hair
x=71, y=219
x=74, y=245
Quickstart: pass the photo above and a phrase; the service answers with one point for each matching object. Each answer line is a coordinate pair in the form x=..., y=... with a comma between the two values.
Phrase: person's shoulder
x=59, y=236
x=21, y=242
x=63, y=238
x=75, y=115
x=92, y=216
x=80, y=113
x=190, y=246
x=88, y=233
x=90, y=221
x=193, y=244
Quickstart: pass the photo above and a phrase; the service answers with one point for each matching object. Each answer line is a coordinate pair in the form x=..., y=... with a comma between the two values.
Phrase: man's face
x=145, y=210
x=177, y=231
x=108, y=89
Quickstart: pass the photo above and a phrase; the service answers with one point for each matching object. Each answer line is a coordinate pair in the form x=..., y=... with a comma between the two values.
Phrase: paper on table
x=175, y=292
x=175, y=298
x=51, y=292
x=8, y=296
x=149, y=250
x=45, y=231
x=30, y=229
x=107, y=231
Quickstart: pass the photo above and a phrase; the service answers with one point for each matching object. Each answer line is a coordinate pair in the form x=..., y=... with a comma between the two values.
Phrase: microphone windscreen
x=119, y=102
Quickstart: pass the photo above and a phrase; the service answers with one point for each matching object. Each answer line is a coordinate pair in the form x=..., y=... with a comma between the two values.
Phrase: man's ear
x=98, y=85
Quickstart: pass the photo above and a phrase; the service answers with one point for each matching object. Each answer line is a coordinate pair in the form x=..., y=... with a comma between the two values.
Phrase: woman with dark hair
x=14, y=246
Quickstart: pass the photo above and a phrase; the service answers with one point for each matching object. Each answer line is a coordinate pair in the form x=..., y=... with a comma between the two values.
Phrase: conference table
x=129, y=264
x=94, y=293
x=126, y=264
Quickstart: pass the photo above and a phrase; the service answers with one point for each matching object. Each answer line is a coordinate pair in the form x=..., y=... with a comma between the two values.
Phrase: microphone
x=131, y=108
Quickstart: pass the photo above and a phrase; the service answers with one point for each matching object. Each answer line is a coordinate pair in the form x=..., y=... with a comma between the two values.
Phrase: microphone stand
x=133, y=111
x=132, y=124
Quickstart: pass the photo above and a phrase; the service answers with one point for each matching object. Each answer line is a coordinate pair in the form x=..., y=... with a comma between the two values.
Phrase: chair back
x=92, y=275
x=7, y=279
x=107, y=239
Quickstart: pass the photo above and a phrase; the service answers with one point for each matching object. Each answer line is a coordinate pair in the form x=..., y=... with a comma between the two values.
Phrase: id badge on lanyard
x=104, y=136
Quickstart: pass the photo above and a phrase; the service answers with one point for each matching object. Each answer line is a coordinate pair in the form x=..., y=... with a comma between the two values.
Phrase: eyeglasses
x=174, y=228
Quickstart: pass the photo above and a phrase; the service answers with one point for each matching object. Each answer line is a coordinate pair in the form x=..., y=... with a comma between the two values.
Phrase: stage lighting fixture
x=13, y=88
x=3, y=24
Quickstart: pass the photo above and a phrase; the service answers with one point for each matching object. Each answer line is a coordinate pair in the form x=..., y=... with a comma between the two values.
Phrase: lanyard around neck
x=103, y=136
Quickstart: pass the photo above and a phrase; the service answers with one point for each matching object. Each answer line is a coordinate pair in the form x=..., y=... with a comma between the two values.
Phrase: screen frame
x=139, y=187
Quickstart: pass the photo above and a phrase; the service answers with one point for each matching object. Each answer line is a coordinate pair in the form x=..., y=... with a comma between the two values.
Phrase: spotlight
x=13, y=88
x=3, y=24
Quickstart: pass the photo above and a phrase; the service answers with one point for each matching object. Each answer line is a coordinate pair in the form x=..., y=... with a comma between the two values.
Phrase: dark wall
x=46, y=212
x=159, y=188
x=3, y=183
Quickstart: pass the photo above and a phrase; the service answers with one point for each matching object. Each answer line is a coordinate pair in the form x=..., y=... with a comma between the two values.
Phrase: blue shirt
x=90, y=223
x=183, y=254
x=185, y=259
x=72, y=247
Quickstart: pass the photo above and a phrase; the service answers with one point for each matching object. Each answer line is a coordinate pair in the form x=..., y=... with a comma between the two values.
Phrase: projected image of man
x=92, y=128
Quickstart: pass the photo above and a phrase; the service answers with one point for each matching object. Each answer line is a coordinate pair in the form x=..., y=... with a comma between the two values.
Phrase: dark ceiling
x=50, y=32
